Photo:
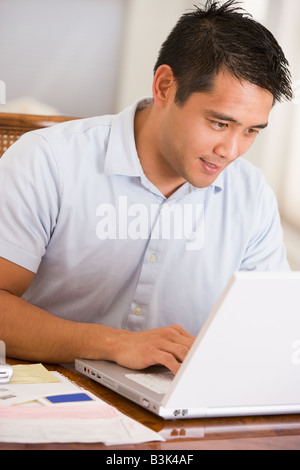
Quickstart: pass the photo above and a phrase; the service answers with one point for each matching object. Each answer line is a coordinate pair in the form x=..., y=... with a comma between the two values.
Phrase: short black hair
x=224, y=37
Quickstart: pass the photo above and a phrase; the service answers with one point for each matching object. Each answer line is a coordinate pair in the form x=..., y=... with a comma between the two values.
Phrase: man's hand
x=167, y=346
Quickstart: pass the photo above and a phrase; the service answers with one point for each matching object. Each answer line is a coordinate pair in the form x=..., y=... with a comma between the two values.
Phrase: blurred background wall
x=91, y=57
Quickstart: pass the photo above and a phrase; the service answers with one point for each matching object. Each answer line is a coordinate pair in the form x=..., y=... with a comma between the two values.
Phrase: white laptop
x=245, y=360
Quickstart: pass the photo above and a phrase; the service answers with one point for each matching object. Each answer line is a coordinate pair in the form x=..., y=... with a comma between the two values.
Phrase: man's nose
x=228, y=147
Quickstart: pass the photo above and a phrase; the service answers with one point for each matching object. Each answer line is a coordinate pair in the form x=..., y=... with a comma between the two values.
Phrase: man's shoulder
x=76, y=127
x=244, y=174
x=245, y=185
x=245, y=167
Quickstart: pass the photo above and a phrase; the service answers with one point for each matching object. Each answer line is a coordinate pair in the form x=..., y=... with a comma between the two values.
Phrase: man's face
x=201, y=138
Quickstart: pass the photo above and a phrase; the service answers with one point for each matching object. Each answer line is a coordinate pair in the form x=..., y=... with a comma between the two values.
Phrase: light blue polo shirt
x=107, y=247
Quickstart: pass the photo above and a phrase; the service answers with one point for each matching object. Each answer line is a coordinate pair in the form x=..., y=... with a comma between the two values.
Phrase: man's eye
x=252, y=131
x=219, y=125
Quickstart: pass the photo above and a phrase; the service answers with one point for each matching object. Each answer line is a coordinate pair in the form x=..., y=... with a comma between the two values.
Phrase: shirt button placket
x=152, y=258
x=138, y=311
x=148, y=278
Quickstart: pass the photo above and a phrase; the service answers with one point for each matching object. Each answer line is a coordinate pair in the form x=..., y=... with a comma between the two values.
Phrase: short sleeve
x=266, y=250
x=30, y=198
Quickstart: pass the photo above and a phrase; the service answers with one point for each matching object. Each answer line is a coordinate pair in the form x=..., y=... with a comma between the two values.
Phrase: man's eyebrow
x=223, y=117
x=260, y=126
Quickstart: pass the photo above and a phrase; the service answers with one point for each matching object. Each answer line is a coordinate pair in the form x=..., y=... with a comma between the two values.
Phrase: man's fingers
x=180, y=336
x=173, y=349
x=178, y=350
x=167, y=346
x=182, y=331
x=167, y=360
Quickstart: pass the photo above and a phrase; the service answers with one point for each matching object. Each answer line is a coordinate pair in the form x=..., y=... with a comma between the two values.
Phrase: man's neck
x=147, y=144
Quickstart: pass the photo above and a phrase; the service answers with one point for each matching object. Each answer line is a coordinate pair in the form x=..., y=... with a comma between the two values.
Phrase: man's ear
x=164, y=85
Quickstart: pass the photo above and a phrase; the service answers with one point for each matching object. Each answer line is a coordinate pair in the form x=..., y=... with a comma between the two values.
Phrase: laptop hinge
x=183, y=413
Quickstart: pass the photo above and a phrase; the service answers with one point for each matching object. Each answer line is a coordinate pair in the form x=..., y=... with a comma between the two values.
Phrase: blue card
x=69, y=398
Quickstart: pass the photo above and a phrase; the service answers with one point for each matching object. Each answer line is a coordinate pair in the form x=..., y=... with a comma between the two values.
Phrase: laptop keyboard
x=158, y=383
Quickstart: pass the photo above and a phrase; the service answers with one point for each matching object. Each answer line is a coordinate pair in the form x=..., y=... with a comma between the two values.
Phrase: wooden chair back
x=12, y=126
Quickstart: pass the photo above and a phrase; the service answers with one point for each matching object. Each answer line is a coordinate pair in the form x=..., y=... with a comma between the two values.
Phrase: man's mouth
x=210, y=167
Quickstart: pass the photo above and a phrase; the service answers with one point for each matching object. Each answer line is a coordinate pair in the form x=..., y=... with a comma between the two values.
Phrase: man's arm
x=33, y=334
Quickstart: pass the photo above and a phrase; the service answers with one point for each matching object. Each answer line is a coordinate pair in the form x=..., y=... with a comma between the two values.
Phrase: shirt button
x=138, y=311
x=152, y=258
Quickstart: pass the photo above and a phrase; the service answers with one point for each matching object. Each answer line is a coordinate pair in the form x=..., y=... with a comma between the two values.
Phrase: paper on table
x=85, y=424
x=10, y=397
x=32, y=374
x=19, y=393
x=93, y=423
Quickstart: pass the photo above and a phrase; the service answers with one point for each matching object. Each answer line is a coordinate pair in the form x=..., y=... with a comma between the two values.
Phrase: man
x=119, y=233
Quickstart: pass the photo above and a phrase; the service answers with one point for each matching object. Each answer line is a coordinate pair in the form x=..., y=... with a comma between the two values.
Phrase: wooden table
x=253, y=433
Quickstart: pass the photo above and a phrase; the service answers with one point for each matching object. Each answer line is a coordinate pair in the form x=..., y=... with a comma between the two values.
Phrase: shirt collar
x=122, y=157
x=218, y=184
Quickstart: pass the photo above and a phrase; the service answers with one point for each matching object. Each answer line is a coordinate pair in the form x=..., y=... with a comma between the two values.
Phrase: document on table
x=32, y=374
x=29, y=383
x=90, y=422
x=83, y=424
